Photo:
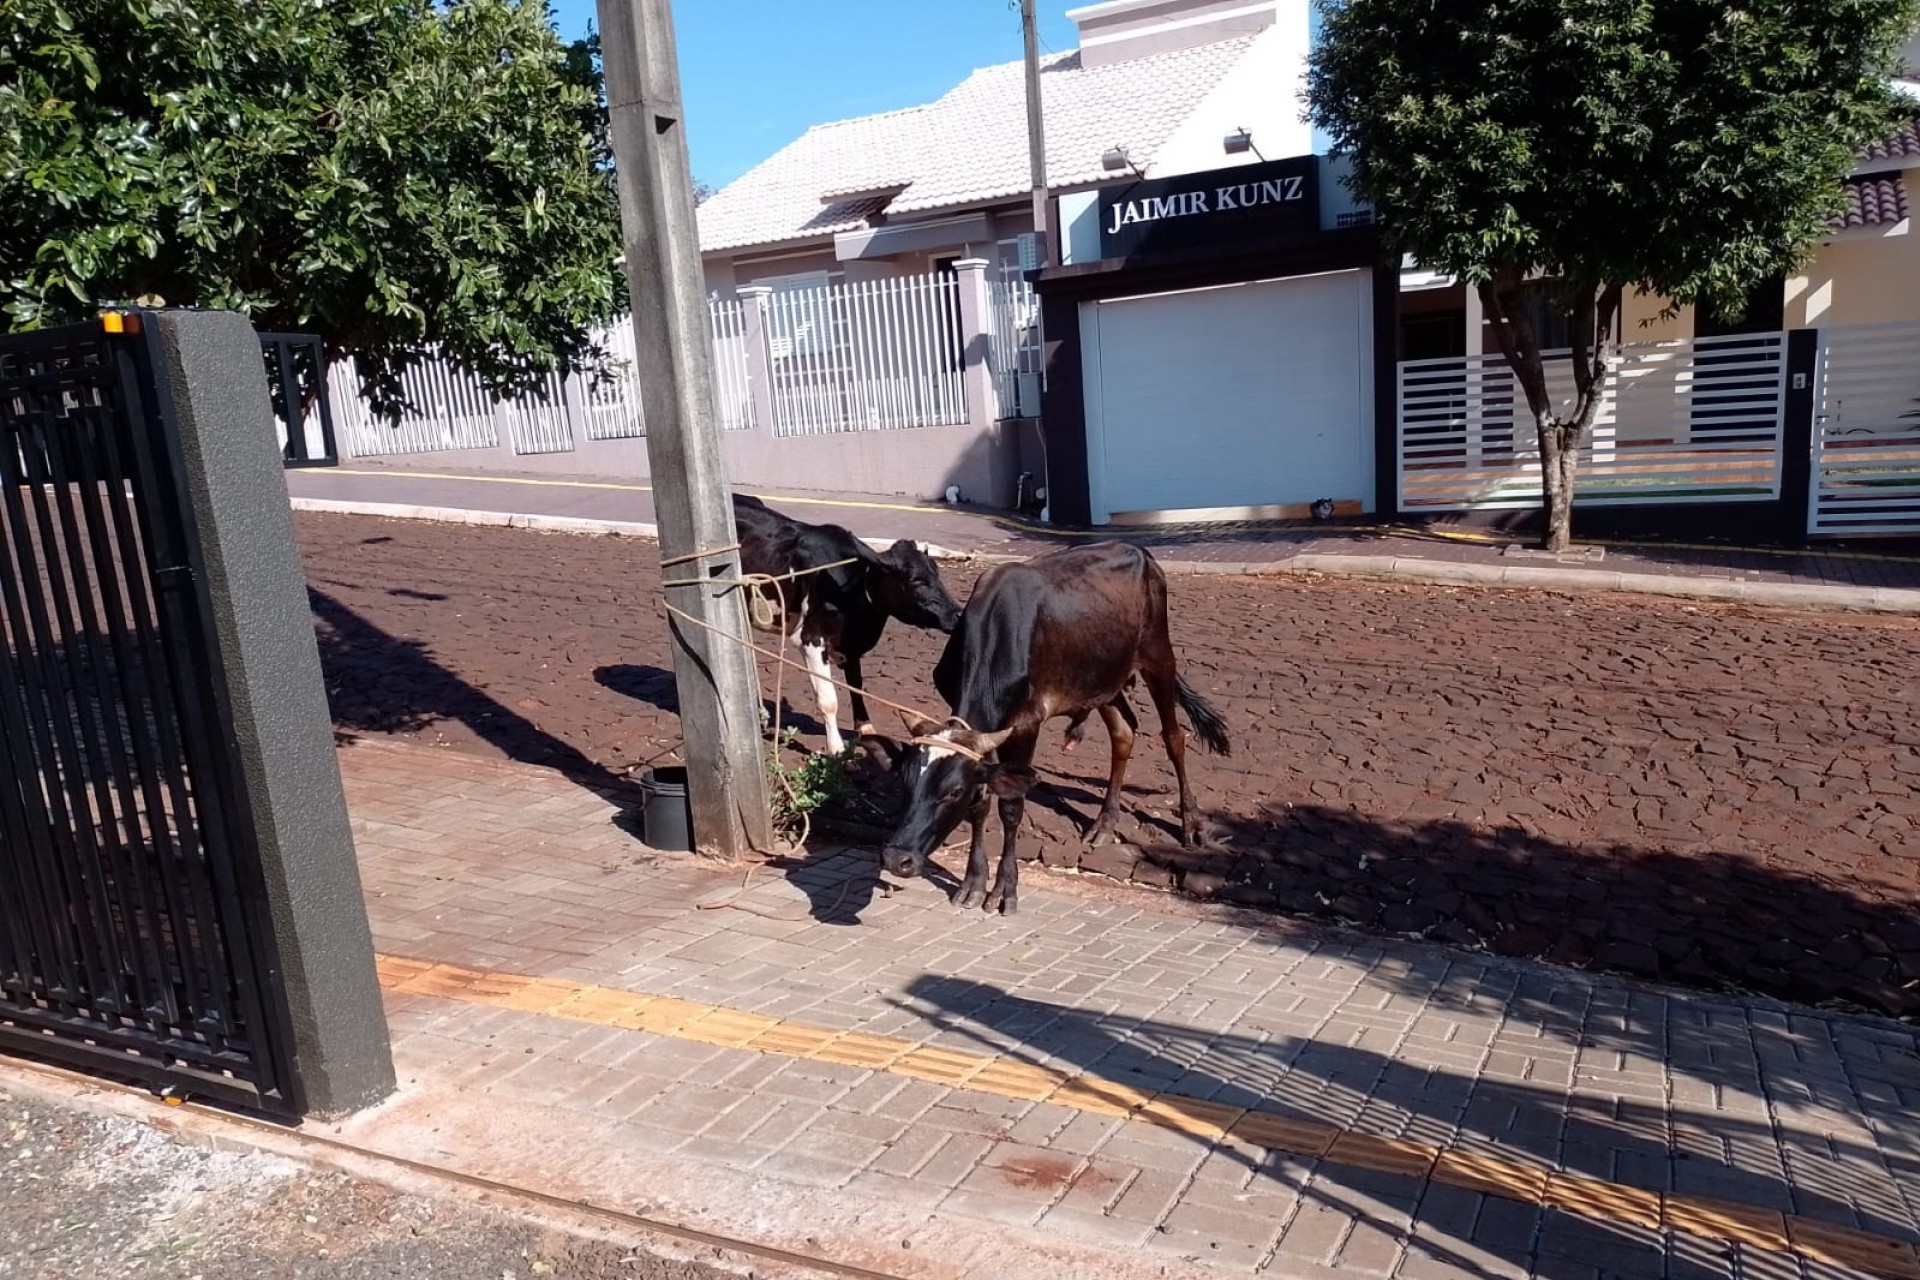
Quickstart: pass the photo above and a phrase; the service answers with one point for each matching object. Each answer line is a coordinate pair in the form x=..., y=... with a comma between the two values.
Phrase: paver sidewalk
x=1110, y=1084
x=976, y=531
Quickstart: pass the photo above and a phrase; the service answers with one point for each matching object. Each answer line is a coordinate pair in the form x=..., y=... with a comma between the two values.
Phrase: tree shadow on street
x=379, y=683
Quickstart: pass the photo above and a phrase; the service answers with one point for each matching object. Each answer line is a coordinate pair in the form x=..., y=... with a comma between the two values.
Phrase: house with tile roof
x=922, y=218
x=1868, y=272
x=1154, y=88
x=1224, y=337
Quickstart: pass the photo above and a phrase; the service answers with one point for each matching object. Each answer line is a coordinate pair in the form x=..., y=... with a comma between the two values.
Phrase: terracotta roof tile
x=1875, y=200
x=1904, y=145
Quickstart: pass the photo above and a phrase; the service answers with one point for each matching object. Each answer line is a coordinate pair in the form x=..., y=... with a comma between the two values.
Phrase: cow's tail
x=1207, y=724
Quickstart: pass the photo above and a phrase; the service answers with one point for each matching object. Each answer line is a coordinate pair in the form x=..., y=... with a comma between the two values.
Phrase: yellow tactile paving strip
x=1749, y=1225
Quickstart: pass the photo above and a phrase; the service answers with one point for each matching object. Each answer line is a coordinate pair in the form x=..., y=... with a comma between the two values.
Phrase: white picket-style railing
x=727, y=321
x=1866, y=467
x=1698, y=420
x=453, y=411
x=450, y=411
x=613, y=398
x=1016, y=348
x=867, y=356
x=875, y=355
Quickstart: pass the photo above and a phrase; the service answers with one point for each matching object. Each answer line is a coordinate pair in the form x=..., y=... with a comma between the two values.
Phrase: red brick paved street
x=1704, y=793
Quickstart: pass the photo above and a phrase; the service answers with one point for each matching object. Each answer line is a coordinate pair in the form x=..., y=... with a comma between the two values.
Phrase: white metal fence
x=613, y=400
x=867, y=356
x=1698, y=420
x=727, y=322
x=1016, y=348
x=453, y=411
x=450, y=411
x=1866, y=465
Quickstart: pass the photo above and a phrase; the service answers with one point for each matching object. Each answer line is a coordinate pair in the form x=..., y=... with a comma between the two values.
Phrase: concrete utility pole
x=1036, y=131
x=719, y=693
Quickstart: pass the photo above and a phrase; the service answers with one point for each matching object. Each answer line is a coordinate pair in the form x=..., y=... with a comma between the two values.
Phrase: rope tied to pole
x=759, y=605
x=691, y=556
x=755, y=584
x=785, y=661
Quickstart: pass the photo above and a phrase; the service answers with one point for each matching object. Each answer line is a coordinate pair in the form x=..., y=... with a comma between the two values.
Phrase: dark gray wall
x=269, y=664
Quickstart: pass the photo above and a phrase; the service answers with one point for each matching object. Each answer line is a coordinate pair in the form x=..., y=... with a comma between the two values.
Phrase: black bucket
x=666, y=816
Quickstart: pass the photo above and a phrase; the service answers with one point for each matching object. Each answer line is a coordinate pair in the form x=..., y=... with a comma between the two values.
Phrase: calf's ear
x=1010, y=781
x=882, y=750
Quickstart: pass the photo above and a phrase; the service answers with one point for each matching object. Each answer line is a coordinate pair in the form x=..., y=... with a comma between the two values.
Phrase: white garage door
x=1219, y=400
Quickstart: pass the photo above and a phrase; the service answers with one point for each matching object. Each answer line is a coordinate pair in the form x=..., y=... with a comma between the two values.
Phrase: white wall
x=1264, y=94
x=1121, y=29
x=1079, y=213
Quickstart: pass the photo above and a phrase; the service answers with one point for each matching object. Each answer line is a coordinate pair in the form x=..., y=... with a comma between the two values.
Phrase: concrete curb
x=1786, y=595
x=544, y=524
x=1442, y=573
x=495, y=519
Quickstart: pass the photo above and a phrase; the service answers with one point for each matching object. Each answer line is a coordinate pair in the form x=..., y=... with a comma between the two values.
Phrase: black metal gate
x=133, y=921
x=297, y=383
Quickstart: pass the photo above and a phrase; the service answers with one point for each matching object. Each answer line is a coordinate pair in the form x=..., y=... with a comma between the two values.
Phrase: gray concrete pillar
x=267, y=665
x=976, y=332
x=758, y=339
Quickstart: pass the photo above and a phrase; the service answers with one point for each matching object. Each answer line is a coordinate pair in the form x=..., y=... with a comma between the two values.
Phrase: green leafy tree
x=1691, y=149
x=400, y=176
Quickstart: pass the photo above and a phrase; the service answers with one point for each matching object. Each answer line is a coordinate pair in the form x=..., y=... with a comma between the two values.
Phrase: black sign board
x=1221, y=210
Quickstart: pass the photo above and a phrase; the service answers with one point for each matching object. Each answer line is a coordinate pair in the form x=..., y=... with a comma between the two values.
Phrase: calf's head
x=949, y=772
x=906, y=583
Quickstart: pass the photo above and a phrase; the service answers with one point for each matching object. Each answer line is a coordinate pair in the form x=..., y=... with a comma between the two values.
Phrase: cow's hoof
x=970, y=895
x=1000, y=903
x=1101, y=831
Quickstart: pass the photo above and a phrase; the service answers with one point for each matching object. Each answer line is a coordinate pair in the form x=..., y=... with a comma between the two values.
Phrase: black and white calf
x=838, y=614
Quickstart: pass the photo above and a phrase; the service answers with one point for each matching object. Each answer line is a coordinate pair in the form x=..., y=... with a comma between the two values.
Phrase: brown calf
x=1064, y=634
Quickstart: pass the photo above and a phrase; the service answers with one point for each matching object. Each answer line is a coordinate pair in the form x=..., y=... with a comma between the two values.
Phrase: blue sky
x=756, y=73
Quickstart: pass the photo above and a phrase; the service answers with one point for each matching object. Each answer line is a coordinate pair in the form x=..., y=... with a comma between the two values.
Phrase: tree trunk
x=1559, y=459
x=1594, y=311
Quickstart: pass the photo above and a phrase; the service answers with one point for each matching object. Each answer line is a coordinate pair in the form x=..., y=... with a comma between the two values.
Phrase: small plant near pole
x=799, y=791
x=1687, y=149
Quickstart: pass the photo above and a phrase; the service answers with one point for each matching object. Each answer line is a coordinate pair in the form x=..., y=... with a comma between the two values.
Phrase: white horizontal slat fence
x=1697, y=420
x=1866, y=467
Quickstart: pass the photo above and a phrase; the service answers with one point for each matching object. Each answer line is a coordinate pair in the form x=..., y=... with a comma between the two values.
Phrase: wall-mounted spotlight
x=1239, y=142
x=1118, y=158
